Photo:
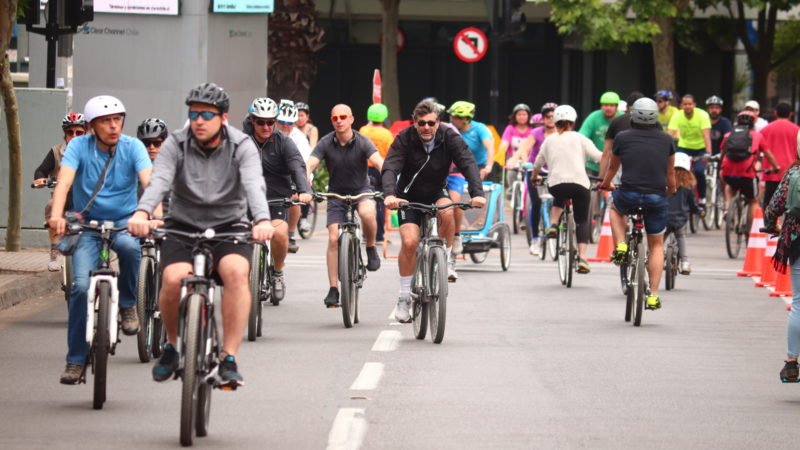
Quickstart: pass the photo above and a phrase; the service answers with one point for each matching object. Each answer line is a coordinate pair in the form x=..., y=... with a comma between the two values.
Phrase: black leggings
x=535, y=214
x=580, y=197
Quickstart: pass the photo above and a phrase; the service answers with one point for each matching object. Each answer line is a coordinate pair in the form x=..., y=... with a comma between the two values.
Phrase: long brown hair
x=684, y=178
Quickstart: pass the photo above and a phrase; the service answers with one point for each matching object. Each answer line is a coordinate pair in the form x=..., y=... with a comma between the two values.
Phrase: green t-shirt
x=664, y=117
x=690, y=131
x=594, y=128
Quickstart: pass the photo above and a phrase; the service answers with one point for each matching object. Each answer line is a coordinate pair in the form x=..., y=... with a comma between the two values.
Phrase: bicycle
x=737, y=225
x=429, y=281
x=199, y=342
x=672, y=259
x=633, y=270
x=546, y=245
x=312, y=221
x=102, y=309
x=352, y=270
x=519, y=194
x=66, y=261
x=598, y=208
x=151, y=333
x=715, y=198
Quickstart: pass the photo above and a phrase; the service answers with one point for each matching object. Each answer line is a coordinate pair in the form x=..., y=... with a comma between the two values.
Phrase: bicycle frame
x=429, y=238
x=103, y=274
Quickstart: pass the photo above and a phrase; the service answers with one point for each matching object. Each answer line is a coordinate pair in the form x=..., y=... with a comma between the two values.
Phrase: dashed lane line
x=387, y=341
x=349, y=429
x=368, y=378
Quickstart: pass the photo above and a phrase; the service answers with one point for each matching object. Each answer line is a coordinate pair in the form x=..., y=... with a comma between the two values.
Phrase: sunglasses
x=152, y=143
x=430, y=123
x=549, y=116
x=339, y=117
x=206, y=115
x=262, y=122
x=74, y=132
x=286, y=124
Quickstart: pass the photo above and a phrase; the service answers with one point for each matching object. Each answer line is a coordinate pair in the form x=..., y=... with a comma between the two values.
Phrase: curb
x=32, y=286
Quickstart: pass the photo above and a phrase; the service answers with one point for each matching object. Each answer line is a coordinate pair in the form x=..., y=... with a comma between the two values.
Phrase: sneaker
x=293, y=247
x=789, y=373
x=686, y=268
x=620, y=253
x=229, y=372
x=54, y=265
x=167, y=364
x=653, y=302
x=304, y=225
x=130, y=321
x=452, y=275
x=583, y=266
x=534, y=248
x=402, y=311
x=373, y=259
x=552, y=232
x=72, y=374
x=278, y=286
x=332, y=299
x=458, y=247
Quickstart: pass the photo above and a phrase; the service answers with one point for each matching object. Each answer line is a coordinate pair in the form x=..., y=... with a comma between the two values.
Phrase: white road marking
x=369, y=377
x=349, y=429
x=387, y=341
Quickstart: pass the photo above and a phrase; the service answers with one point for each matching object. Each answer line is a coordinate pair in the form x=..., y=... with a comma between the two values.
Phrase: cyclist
x=692, y=127
x=720, y=125
x=230, y=184
x=382, y=139
x=646, y=155
x=103, y=170
x=596, y=125
x=565, y=154
x=73, y=124
x=755, y=108
x=517, y=130
x=681, y=202
x=152, y=132
x=284, y=172
x=346, y=152
x=287, y=116
x=665, y=108
x=415, y=171
x=740, y=152
x=780, y=136
x=304, y=124
x=475, y=134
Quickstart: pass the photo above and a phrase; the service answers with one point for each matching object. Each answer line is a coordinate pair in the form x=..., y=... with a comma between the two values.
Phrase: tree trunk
x=760, y=64
x=14, y=230
x=664, y=54
x=390, y=86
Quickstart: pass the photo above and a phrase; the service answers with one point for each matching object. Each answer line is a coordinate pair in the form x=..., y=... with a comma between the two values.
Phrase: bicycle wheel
x=640, y=283
x=732, y=223
x=711, y=204
x=312, y=221
x=598, y=213
x=694, y=224
x=419, y=308
x=572, y=248
x=670, y=261
x=479, y=257
x=204, y=389
x=192, y=363
x=66, y=277
x=719, y=216
x=347, y=278
x=437, y=300
x=516, y=207
x=562, y=250
x=629, y=273
x=102, y=344
x=144, y=309
x=255, y=292
x=505, y=248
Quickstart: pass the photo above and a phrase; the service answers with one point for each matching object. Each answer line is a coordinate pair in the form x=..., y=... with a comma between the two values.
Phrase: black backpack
x=738, y=144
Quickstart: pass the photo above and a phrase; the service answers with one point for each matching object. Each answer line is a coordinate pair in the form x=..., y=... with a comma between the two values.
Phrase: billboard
x=243, y=6
x=152, y=7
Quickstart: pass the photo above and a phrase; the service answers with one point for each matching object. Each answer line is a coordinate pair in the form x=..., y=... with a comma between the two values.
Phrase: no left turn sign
x=470, y=45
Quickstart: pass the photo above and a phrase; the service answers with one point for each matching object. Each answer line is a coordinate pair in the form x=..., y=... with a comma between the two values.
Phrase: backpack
x=738, y=144
x=793, y=195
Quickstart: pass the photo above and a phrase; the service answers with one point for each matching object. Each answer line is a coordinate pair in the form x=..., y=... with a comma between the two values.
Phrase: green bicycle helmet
x=609, y=98
x=377, y=112
x=462, y=109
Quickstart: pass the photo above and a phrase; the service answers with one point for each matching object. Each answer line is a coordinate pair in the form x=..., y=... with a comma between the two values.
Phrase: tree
x=390, y=88
x=294, y=39
x=8, y=15
x=787, y=43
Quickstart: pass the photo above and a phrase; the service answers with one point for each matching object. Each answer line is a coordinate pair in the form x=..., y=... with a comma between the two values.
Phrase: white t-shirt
x=760, y=123
x=565, y=155
x=301, y=141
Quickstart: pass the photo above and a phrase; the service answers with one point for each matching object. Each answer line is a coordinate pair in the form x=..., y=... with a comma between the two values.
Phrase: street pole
x=494, y=63
x=52, y=41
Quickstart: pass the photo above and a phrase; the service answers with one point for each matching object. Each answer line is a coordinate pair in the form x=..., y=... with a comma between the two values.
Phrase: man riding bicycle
x=596, y=125
x=416, y=170
x=213, y=173
x=692, y=127
x=103, y=170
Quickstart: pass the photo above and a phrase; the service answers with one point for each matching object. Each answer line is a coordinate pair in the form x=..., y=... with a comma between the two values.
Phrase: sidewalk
x=24, y=275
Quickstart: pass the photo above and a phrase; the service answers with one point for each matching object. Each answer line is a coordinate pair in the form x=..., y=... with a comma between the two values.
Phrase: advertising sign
x=152, y=7
x=243, y=6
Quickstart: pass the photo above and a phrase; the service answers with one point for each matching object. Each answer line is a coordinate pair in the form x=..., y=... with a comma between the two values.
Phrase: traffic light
x=77, y=12
x=32, y=13
x=515, y=18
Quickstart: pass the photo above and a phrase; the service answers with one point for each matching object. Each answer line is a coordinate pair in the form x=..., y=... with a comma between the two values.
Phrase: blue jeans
x=85, y=259
x=656, y=208
x=793, y=328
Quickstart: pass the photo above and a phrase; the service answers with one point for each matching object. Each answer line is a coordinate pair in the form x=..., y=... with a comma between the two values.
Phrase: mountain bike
x=633, y=271
x=66, y=261
x=352, y=270
x=715, y=197
x=429, y=282
x=519, y=194
x=672, y=258
x=151, y=333
x=199, y=335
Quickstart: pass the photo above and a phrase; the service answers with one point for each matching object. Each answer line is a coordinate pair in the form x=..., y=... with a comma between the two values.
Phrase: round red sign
x=470, y=45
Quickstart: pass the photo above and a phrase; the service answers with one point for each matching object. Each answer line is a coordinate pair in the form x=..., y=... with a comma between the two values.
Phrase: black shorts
x=747, y=186
x=337, y=209
x=279, y=212
x=415, y=216
x=175, y=249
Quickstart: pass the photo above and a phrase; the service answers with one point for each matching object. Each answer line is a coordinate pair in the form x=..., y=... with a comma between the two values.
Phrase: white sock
x=405, y=286
x=449, y=251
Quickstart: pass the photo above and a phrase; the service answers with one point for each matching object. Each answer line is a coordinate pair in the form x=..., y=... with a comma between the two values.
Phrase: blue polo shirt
x=117, y=198
x=474, y=138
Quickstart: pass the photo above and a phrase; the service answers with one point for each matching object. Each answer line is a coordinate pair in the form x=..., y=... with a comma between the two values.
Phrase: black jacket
x=680, y=204
x=407, y=157
x=283, y=166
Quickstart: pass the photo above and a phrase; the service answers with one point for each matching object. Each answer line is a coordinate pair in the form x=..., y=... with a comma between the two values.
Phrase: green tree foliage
x=787, y=47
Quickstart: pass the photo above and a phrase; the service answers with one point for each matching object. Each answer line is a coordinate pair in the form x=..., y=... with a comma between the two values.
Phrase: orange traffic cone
x=606, y=244
x=756, y=247
x=768, y=273
x=783, y=284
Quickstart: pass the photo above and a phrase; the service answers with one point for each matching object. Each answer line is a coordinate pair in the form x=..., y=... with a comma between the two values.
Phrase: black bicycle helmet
x=210, y=94
x=152, y=128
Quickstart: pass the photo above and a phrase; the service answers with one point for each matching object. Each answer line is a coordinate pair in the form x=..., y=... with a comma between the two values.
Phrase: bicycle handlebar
x=208, y=235
x=319, y=196
x=433, y=208
x=284, y=202
x=50, y=184
x=93, y=226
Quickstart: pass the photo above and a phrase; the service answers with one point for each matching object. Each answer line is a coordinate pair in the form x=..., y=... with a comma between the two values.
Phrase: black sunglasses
x=262, y=122
x=430, y=123
x=154, y=143
x=206, y=115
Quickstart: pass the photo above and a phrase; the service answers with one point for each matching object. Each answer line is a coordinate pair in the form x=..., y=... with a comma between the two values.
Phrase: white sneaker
x=534, y=248
x=686, y=268
x=304, y=226
x=402, y=311
x=452, y=275
x=54, y=265
x=457, y=247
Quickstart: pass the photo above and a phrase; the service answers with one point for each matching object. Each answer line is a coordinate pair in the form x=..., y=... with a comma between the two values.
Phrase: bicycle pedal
x=332, y=306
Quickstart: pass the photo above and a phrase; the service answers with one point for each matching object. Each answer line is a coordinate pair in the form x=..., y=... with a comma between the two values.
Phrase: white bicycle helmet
x=102, y=105
x=565, y=113
x=287, y=111
x=683, y=161
x=264, y=108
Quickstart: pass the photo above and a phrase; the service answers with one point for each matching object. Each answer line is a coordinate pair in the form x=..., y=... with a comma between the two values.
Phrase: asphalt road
x=526, y=363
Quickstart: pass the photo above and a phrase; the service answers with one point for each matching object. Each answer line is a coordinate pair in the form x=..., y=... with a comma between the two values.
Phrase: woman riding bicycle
x=565, y=154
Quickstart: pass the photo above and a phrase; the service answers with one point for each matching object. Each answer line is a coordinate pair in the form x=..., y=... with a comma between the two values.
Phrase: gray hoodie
x=208, y=190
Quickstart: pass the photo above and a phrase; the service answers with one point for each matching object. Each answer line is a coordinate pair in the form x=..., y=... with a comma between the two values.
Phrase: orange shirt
x=380, y=137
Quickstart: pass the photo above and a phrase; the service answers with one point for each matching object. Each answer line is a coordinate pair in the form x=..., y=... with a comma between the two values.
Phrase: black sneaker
x=72, y=374
x=166, y=366
x=229, y=373
x=373, y=259
x=293, y=247
x=789, y=374
x=130, y=321
x=332, y=299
